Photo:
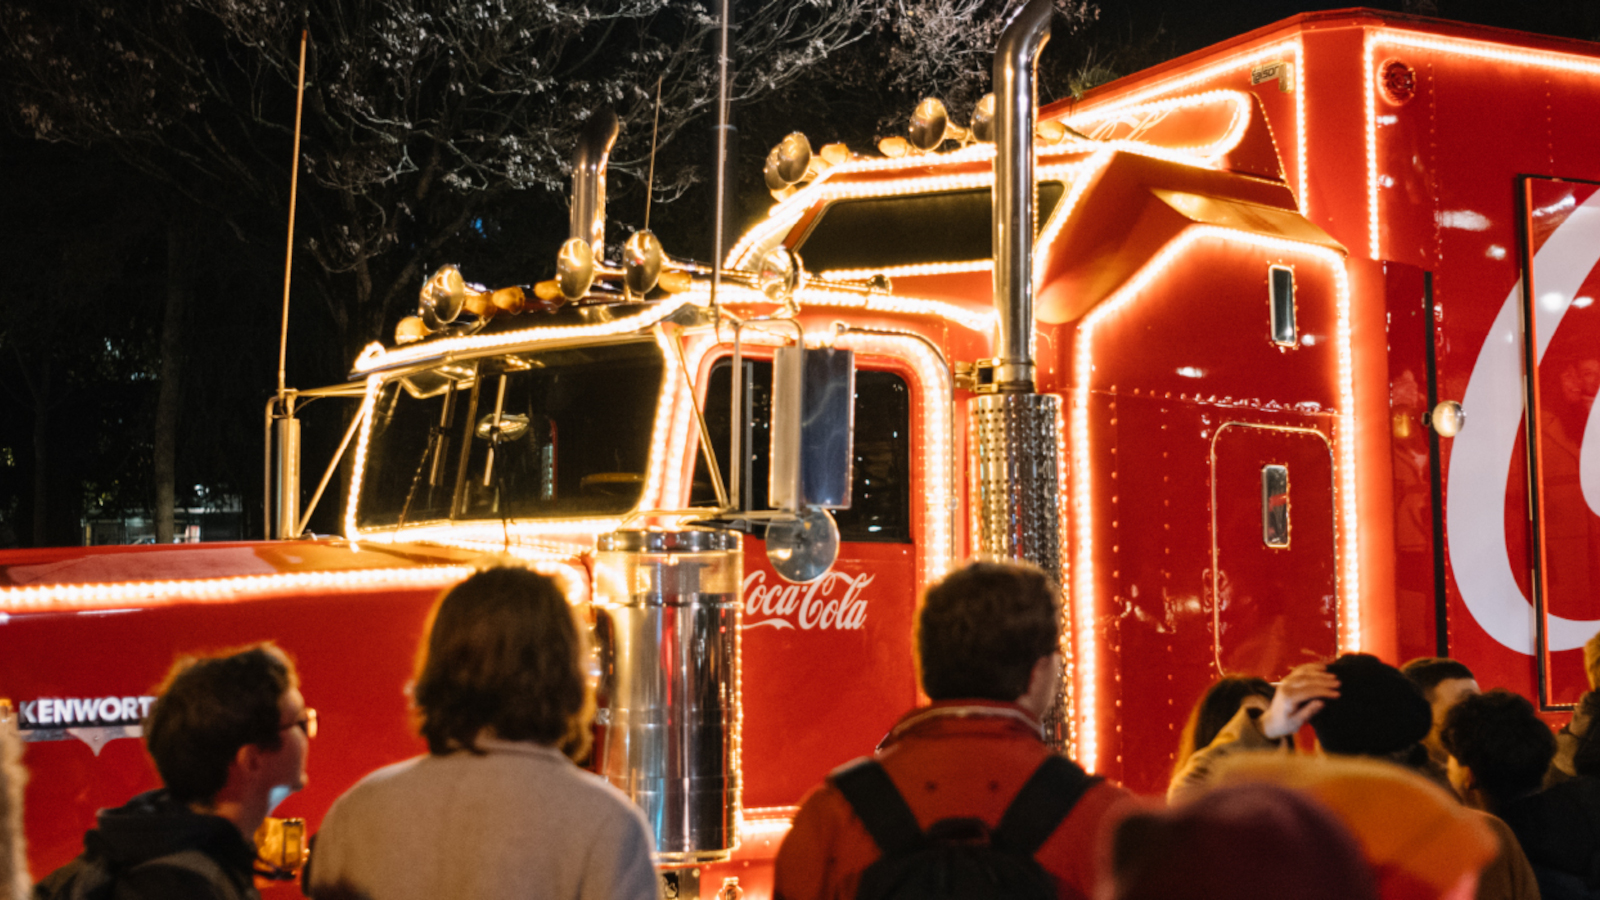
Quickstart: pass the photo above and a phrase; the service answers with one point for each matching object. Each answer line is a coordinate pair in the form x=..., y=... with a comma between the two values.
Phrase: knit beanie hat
x=1378, y=710
x=1243, y=842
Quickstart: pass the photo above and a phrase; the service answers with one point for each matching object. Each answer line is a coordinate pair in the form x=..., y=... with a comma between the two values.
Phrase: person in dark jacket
x=229, y=736
x=1499, y=751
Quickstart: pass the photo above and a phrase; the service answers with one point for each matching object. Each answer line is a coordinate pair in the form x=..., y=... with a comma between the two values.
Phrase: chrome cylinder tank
x=1018, y=514
x=667, y=619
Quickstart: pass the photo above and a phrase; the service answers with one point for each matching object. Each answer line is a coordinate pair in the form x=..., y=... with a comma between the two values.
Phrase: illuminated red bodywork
x=1404, y=173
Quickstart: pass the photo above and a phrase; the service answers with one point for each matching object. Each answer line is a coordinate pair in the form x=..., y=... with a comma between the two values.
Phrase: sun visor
x=1244, y=216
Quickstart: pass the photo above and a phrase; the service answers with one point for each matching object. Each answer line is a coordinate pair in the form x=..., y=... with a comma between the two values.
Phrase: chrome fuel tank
x=667, y=619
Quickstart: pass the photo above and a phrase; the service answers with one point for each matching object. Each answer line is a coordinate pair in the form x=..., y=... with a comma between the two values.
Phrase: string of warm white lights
x=1083, y=176
x=1153, y=112
x=53, y=597
x=375, y=356
x=540, y=538
x=1082, y=485
x=570, y=574
x=1224, y=67
x=919, y=270
x=1463, y=47
x=358, y=463
x=931, y=383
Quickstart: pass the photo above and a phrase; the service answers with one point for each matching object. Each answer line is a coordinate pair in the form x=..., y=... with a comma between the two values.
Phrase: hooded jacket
x=155, y=847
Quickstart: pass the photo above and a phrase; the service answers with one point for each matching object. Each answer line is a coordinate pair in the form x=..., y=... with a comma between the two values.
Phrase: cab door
x=827, y=666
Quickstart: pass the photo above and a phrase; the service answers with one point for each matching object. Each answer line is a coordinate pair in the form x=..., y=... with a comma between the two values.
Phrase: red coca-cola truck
x=1271, y=352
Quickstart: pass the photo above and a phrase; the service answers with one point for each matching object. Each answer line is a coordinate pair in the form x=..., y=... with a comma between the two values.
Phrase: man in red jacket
x=989, y=657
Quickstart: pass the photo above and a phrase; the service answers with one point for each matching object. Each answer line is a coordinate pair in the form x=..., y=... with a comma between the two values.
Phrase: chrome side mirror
x=803, y=548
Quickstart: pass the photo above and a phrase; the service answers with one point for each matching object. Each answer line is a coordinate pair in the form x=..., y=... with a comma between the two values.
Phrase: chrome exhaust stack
x=1015, y=433
x=1014, y=83
x=589, y=181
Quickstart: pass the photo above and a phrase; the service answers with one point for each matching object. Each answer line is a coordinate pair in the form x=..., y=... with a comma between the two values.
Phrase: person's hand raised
x=1299, y=697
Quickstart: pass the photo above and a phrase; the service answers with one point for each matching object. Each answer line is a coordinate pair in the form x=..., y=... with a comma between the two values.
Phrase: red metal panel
x=827, y=666
x=355, y=653
x=1414, y=604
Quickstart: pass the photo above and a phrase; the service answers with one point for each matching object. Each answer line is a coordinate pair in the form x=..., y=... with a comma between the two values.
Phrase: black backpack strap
x=878, y=804
x=1042, y=803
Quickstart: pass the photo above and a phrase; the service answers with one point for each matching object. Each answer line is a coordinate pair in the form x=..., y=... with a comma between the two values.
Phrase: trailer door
x=1274, y=590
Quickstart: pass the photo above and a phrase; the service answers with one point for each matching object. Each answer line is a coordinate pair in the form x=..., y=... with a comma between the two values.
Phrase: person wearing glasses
x=229, y=736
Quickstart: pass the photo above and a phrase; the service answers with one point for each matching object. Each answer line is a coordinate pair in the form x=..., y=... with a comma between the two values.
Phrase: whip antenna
x=281, y=410
x=294, y=187
x=722, y=155
x=650, y=179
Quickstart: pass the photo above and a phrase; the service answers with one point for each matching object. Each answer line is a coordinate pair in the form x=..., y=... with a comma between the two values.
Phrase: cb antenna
x=650, y=179
x=294, y=187
x=722, y=157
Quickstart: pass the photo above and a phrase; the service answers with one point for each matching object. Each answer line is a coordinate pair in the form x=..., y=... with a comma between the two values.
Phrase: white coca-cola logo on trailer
x=832, y=602
x=1480, y=460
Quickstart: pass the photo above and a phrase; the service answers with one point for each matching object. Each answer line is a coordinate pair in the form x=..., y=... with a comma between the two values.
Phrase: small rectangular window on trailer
x=1281, y=281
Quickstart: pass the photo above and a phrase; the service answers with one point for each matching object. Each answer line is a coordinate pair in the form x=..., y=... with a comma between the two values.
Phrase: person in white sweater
x=497, y=808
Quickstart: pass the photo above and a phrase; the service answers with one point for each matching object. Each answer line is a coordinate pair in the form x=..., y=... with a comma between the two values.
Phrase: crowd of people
x=1421, y=785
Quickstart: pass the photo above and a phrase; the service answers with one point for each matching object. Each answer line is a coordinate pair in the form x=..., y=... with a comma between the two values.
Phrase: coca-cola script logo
x=833, y=601
x=1484, y=451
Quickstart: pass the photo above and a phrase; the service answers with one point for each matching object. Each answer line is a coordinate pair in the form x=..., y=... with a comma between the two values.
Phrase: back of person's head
x=1502, y=740
x=1379, y=711
x=1217, y=705
x=1427, y=672
x=504, y=653
x=207, y=709
x=982, y=629
x=1243, y=842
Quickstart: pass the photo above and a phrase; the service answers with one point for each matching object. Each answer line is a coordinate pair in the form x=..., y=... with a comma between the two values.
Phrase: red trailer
x=1287, y=361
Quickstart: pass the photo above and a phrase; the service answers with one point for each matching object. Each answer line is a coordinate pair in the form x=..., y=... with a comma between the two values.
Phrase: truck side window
x=880, y=493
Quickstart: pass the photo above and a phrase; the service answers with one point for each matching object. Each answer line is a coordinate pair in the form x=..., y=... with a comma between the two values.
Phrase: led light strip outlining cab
x=933, y=389
x=1153, y=112
x=221, y=590
x=1085, y=596
x=1224, y=67
x=375, y=356
x=1472, y=49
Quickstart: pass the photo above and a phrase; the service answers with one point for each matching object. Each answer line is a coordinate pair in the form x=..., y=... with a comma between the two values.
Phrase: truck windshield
x=555, y=433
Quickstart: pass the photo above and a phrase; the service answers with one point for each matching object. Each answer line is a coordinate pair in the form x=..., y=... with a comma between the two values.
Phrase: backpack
x=961, y=857
x=91, y=878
